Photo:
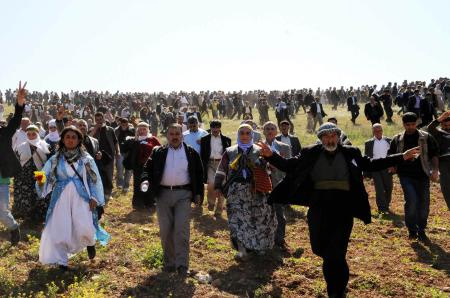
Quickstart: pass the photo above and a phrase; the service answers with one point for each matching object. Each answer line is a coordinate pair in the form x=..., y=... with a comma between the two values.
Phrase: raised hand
x=265, y=150
x=411, y=153
x=21, y=93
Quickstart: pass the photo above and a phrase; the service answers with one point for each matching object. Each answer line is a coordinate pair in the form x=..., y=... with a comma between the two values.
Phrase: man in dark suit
x=353, y=107
x=377, y=147
x=386, y=99
x=10, y=166
x=317, y=112
x=90, y=143
x=327, y=177
x=282, y=113
x=289, y=139
x=373, y=110
x=109, y=146
x=174, y=175
x=212, y=146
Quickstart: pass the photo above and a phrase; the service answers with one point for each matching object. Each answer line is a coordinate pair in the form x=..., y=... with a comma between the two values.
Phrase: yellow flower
x=40, y=177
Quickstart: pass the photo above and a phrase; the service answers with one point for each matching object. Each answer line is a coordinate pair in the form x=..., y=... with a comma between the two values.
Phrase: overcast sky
x=188, y=45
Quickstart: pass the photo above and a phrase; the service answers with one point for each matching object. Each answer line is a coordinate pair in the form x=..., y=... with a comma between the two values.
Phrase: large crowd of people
x=66, y=152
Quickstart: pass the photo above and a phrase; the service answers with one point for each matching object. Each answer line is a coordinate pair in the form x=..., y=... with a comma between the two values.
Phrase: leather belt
x=215, y=159
x=174, y=187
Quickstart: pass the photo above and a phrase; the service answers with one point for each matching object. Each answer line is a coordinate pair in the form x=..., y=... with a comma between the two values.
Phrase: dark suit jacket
x=350, y=105
x=9, y=165
x=295, y=144
x=198, y=115
x=205, y=151
x=313, y=108
x=373, y=113
x=154, y=168
x=91, y=145
x=297, y=187
x=368, y=146
x=368, y=151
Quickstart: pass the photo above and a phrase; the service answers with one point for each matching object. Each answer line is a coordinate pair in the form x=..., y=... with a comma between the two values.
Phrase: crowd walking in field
x=64, y=154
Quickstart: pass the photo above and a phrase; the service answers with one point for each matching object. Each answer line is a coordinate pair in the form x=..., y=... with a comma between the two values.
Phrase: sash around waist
x=332, y=184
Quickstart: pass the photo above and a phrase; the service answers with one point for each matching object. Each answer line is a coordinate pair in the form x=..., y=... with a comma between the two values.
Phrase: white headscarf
x=39, y=156
x=52, y=136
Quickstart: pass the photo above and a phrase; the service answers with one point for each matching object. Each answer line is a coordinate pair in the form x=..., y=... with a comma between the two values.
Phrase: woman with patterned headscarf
x=32, y=155
x=243, y=179
x=76, y=190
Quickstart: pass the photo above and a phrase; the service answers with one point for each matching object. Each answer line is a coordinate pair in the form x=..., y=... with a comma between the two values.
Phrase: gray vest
x=233, y=152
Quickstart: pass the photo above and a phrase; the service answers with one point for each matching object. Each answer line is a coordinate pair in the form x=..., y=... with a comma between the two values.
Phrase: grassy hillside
x=383, y=262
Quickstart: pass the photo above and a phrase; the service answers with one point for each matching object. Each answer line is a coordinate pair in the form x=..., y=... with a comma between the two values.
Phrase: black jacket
x=297, y=186
x=154, y=167
x=373, y=113
x=350, y=105
x=295, y=144
x=91, y=145
x=313, y=108
x=9, y=165
x=205, y=151
x=368, y=151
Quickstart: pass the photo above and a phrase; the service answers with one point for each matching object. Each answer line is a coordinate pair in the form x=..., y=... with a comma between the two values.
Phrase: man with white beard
x=327, y=177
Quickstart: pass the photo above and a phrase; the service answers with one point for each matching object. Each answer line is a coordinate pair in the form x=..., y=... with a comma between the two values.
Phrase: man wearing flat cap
x=415, y=175
x=327, y=177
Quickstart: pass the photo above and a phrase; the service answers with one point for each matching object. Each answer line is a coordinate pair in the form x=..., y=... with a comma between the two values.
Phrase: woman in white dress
x=76, y=190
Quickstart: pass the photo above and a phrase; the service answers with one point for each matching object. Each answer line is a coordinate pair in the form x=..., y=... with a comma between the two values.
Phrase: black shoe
x=283, y=246
x=182, y=271
x=423, y=237
x=412, y=235
x=15, y=236
x=91, y=252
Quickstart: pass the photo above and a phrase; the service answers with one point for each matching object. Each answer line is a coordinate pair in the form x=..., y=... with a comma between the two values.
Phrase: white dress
x=70, y=228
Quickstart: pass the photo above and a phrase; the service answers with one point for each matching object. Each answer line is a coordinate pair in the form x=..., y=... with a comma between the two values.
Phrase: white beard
x=330, y=148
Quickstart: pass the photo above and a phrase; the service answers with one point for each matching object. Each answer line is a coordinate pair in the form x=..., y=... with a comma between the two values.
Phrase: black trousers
x=355, y=114
x=330, y=225
x=389, y=112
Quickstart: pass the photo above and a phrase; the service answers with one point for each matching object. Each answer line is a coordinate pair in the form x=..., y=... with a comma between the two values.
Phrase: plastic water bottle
x=144, y=186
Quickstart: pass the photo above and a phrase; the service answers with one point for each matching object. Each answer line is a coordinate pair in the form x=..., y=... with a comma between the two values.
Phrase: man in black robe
x=327, y=177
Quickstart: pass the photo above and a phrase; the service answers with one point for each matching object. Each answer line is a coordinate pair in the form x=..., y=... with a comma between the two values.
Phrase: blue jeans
x=123, y=176
x=417, y=202
x=6, y=217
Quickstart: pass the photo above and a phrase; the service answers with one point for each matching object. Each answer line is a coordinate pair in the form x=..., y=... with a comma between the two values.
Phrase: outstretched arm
x=366, y=164
x=286, y=165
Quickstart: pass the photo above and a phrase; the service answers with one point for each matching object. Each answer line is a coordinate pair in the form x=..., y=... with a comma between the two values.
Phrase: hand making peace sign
x=21, y=93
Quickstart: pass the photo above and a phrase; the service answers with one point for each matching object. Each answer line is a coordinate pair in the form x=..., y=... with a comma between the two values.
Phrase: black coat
x=297, y=186
x=313, y=108
x=205, y=151
x=9, y=165
x=350, y=105
x=154, y=168
x=295, y=144
x=373, y=113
